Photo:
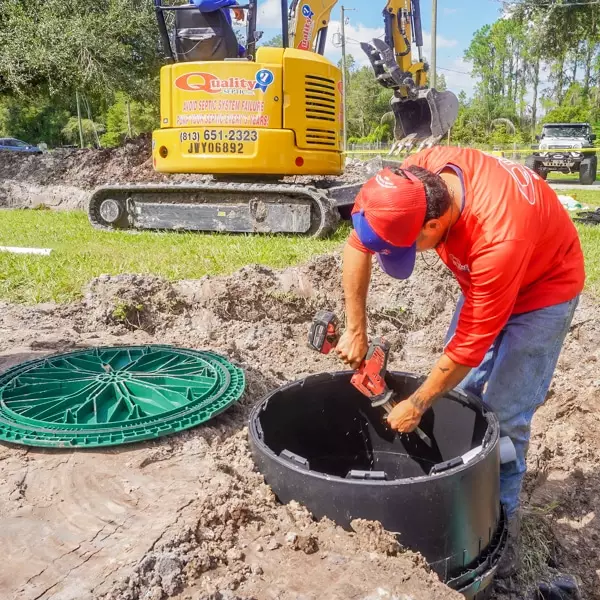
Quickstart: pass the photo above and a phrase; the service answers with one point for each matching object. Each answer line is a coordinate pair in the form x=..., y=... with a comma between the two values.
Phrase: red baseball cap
x=388, y=214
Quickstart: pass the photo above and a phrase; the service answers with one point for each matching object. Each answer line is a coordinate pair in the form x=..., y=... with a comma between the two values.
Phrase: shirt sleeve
x=354, y=241
x=212, y=5
x=418, y=159
x=496, y=275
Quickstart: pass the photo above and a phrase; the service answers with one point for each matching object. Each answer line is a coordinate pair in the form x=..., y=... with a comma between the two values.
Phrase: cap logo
x=384, y=181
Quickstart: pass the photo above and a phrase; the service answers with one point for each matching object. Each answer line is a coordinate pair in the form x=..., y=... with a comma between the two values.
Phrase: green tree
x=574, y=107
x=37, y=120
x=440, y=82
x=58, y=46
x=275, y=42
x=90, y=130
x=144, y=118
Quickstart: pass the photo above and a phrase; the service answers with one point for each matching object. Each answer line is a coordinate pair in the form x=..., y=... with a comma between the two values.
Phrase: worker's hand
x=238, y=14
x=352, y=348
x=405, y=417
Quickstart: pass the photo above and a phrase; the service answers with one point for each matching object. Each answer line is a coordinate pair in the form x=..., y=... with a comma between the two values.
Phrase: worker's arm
x=445, y=376
x=212, y=5
x=353, y=345
x=496, y=275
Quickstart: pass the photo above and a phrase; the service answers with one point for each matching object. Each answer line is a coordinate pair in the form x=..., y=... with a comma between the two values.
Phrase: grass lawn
x=590, y=237
x=81, y=252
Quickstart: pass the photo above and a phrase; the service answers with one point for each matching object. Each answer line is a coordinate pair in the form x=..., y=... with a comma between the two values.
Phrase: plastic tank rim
x=257, y=437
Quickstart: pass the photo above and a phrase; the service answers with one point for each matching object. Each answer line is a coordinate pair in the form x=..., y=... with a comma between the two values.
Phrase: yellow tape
x=507, y=153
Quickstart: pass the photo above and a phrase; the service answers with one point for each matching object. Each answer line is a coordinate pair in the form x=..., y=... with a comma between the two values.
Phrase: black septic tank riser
x=318, y=441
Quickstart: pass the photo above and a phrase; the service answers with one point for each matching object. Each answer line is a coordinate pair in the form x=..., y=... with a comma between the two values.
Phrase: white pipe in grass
x=15, y=250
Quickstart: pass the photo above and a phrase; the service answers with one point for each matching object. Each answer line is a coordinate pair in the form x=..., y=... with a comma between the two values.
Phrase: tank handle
x=298, y=460
x=367, y=475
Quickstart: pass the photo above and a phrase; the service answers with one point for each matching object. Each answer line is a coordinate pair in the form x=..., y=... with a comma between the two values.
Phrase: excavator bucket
x=424, y=119
x=423, y=115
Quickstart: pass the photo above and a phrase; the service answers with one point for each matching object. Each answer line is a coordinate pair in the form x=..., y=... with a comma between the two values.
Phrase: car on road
x=566, y=148
x=15, y=145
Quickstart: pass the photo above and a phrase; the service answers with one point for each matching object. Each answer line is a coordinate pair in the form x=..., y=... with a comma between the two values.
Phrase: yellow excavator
x=251, y=116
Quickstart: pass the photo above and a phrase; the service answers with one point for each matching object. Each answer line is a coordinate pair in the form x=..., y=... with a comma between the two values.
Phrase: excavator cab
x=188, y=34
x=422, y=115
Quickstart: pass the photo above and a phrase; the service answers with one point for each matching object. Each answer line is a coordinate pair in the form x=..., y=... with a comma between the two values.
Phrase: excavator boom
x=422, y=115
x=309, y=22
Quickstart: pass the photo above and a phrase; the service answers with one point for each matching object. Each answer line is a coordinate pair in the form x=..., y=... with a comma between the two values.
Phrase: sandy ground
x=188, y=516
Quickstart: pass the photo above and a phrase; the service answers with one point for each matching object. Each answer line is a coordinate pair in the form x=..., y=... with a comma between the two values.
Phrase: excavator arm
x=422, y=115
x=308, y=24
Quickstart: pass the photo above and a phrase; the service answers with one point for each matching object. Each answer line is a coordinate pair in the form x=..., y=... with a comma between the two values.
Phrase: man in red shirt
x=516, y=255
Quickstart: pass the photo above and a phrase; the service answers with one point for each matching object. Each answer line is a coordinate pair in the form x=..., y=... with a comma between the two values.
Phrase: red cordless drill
x=369, y=378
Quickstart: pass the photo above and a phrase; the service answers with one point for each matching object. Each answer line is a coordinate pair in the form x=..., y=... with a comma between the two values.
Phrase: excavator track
x=232, y=207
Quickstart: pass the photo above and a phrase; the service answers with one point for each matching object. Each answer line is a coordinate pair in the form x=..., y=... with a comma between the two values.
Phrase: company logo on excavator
x=308, y=28
x=211, y=84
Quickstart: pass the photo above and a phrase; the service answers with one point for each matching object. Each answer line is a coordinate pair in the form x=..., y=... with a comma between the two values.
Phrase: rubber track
x=328, y=212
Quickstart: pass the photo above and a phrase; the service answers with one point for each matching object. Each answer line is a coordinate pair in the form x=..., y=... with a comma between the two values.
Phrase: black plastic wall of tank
x=308, y=436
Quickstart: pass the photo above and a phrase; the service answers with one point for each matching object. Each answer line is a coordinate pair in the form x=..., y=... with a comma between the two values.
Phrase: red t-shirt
x=514, y=248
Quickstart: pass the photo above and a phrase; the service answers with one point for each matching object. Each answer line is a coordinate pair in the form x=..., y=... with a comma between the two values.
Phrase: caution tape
x=501, y=153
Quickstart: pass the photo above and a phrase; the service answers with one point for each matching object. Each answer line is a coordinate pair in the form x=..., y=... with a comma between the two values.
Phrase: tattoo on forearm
x=418, y=402
x=444, y=369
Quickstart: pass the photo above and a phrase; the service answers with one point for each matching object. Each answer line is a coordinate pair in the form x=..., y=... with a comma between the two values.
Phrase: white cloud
x=442, y=43
x=354, y=35
x=361, y=33
x=458, y=76
x=269, y=14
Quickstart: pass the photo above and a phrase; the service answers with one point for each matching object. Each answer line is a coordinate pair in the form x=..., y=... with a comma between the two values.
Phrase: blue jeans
x=518, y=369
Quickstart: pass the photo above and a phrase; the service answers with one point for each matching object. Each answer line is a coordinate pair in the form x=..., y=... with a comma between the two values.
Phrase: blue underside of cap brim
x=400, y=263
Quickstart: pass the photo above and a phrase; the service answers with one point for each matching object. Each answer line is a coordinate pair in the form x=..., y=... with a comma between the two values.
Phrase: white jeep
x=562, y=148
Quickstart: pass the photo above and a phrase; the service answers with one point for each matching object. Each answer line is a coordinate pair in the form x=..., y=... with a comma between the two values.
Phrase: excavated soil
x=64, y=178
x=188, y=516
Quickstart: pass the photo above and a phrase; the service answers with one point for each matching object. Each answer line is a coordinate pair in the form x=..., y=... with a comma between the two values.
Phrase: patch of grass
x=538, y=548
x=590, y=237
x=81, y=253
x=563, y=177
x=125, y=313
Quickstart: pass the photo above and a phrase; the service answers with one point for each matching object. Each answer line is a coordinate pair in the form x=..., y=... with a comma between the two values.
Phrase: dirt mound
x=231, y=543
x=406, y=312
x=188, y=516
x=130, y=302
x=64, y=178
x=84, y=168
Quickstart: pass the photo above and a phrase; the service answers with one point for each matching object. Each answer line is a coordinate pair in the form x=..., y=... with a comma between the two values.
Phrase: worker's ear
x=430, y=235
x=432, y=227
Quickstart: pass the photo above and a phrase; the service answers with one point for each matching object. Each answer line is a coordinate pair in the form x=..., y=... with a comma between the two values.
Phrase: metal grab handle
x=158, y=6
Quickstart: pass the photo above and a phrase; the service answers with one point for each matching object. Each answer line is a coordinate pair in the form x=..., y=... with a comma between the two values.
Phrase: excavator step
x=215, y=207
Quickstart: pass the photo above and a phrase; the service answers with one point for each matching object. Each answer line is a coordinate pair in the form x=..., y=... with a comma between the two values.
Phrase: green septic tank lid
x=111, y=396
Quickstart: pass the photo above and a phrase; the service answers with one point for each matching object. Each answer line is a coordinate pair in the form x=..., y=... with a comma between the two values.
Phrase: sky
x=456, y=23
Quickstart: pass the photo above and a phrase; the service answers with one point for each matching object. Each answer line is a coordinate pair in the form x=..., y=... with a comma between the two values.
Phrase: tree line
x=531, y=40
x=52, y=51
x=107, y=55
x=509, y=59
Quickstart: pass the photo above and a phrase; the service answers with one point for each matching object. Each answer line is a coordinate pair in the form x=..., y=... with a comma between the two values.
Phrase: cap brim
x=400, y=262
x=396, y=261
